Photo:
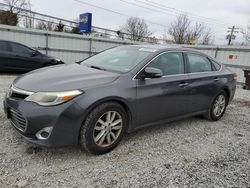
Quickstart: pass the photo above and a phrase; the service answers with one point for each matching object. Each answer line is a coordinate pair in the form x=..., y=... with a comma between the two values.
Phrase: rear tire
x=103, y=128
x=217, y=107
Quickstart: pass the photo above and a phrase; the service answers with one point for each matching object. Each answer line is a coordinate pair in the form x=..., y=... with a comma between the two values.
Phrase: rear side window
x=17, y=48
x=170, y=63
x=198, y=63
x=216, y=66
x=3, y=46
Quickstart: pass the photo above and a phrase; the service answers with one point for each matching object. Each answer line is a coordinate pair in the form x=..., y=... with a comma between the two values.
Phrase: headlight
x=53, y=98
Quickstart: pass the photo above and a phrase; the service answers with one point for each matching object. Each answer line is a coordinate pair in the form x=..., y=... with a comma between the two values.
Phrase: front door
x=166, y=97
x=23, y=58
x=5, y=55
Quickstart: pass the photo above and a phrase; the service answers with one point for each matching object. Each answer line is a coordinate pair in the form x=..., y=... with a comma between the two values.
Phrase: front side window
x=198, y=63
x=170, y=63
x=3, y=46
x=119, y=59
x=17, y=48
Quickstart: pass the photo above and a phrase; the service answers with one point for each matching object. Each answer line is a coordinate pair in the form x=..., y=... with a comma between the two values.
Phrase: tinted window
x=17, y=48
x=216, y=65
x=3, y=46
x=169, y=63
x=198, y=63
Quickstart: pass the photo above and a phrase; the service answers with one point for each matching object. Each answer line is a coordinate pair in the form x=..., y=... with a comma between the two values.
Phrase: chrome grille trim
x=20, y=91
x=18, y=120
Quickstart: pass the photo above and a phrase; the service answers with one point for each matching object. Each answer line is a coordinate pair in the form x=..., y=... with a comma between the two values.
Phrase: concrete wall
x=71, y=47
x=68, y=47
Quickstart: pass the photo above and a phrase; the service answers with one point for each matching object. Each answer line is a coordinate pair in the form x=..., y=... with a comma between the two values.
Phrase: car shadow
x=129, y=141
x=10, y=74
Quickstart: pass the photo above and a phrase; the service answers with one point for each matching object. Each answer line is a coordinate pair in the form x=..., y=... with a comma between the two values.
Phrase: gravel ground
x=189, y=153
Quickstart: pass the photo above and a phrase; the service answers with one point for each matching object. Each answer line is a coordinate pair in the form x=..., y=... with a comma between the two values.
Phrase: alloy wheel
x=219, y=105
x=107, y=129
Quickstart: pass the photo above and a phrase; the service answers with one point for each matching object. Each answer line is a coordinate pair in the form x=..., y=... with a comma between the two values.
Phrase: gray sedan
x=95, y=102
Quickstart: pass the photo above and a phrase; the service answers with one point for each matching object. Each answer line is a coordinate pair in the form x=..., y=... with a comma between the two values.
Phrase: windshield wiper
x=78, y=62
x=96, y=67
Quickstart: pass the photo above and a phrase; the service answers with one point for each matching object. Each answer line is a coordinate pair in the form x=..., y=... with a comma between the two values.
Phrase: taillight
x=234, y=76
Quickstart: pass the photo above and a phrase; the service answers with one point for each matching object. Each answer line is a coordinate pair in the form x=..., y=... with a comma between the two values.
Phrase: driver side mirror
x=35, y=53
x=150, y=72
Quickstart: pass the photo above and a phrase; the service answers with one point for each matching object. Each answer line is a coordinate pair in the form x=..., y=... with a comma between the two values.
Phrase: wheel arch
x=118, y=100
x=227, y=91
x=50, y=63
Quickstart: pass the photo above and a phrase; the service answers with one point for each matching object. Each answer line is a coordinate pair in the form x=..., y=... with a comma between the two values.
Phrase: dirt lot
x=189, y=153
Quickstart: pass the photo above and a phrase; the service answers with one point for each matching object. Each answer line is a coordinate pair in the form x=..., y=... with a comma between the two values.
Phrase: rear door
x=162, y=98
x=203, y=81
x=4, y=56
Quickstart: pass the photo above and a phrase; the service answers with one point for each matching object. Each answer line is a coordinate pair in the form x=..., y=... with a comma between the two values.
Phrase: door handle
x=216, y=79
x=183, y=84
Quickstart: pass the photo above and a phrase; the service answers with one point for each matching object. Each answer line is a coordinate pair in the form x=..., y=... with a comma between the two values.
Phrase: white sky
x=220, y=13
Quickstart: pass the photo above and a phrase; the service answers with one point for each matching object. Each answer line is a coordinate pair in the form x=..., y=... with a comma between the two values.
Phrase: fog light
x=44, y=133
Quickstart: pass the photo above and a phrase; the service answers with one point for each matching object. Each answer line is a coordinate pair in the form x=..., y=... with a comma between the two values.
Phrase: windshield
x=119, y=59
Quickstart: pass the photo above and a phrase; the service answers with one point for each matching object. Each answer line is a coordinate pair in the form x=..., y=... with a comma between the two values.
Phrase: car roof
x=10, y=41
x=14, y=42
x=174, y=47
x=6, y=41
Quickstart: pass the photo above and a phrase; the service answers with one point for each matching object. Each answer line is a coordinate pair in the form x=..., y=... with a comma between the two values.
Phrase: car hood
x=64, y=78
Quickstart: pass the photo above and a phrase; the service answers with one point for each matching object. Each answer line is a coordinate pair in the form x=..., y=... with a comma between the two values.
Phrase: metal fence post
x=90, y=47
x=46, y=43
x=216, y=52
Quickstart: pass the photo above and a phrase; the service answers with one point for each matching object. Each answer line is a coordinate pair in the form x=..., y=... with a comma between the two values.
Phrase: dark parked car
x=16, y=57
x=119, y=90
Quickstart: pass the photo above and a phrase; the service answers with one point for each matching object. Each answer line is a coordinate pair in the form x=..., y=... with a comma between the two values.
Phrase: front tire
x=218, y=107
x=48, y=64
x=103, y=128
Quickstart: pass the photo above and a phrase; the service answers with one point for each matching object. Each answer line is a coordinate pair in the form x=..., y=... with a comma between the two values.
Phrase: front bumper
x=65, y=121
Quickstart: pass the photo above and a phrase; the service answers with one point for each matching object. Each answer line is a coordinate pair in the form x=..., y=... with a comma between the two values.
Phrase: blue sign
x=85, y=23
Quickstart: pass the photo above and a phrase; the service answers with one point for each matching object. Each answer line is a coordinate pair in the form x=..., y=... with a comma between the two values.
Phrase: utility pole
x=231, y=36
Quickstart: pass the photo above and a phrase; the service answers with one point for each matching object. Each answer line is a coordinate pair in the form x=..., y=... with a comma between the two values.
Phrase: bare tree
x=10, y=16
x=45, y=25
x=59, y=27
x=246, y=33
x=207, y=37
x=28, y=16
x=136, y=28
x=16, y=6
x=179, y=28
x=194, y=33
x=75, y=26
x=153, y=40
x=184, y=32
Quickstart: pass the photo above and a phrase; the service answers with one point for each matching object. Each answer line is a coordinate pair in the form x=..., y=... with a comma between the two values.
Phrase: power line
x=53, y=18
x=115, y=12
x=183, y=12
x=176, y=11
x=164, y=12
x=158, y=11
x=130, y=3
x=37, y=13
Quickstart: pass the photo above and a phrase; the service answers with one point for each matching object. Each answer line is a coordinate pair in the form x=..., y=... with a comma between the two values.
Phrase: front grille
x=18, y=120
x=18, y=95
